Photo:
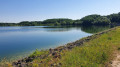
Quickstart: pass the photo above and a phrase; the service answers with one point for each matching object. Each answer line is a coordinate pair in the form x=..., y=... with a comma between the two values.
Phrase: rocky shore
x=56, y=53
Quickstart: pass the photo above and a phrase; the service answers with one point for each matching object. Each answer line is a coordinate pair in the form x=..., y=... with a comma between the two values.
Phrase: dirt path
x=116, y=62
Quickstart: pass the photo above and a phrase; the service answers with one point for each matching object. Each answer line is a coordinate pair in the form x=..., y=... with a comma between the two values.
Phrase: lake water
x=20, y=41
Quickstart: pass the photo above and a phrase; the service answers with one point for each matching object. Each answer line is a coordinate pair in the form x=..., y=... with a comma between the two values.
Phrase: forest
x=94, y=19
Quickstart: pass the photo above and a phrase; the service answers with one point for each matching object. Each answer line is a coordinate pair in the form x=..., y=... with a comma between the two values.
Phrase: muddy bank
x=56, y=53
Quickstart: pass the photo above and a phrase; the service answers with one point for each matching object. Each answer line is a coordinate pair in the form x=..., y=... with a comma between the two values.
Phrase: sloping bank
x=97, y=50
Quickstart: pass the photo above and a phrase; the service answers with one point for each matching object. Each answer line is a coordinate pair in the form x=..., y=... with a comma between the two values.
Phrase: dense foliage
x=61, y=21
x=87, y=20
x=114, y=18
x=95, y=20
x=32, y=23
x=8, y=24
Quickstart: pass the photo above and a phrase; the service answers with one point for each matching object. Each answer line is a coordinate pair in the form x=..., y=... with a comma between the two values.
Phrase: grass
x=95, y=53
x=38, y=53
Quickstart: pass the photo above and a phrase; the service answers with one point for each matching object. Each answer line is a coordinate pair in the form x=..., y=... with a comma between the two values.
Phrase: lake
x=20, y=41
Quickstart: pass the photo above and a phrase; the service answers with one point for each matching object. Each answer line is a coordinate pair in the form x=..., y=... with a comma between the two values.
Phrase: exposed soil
x=116, y=61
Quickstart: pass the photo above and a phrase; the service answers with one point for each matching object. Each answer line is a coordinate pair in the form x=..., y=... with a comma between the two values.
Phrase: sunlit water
x=21, y=41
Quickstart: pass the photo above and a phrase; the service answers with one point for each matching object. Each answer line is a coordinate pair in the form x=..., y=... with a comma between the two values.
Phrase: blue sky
x=38, y=10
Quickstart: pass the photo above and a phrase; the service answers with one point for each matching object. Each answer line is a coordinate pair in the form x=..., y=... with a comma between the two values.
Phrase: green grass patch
x=95, y=53
x=38, y=53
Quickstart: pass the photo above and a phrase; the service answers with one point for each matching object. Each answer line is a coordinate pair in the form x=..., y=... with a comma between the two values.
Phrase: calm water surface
x=21, y=41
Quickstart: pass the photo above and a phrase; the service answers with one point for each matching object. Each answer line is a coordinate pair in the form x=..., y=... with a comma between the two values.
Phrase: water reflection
x=17, y=41
x=94, y=29
x=88, y=29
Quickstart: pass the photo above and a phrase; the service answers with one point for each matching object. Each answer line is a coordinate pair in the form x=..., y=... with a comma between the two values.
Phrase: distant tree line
x=87, y=20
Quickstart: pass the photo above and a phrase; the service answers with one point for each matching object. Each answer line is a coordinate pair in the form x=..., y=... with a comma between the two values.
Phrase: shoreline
x=56, y=51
